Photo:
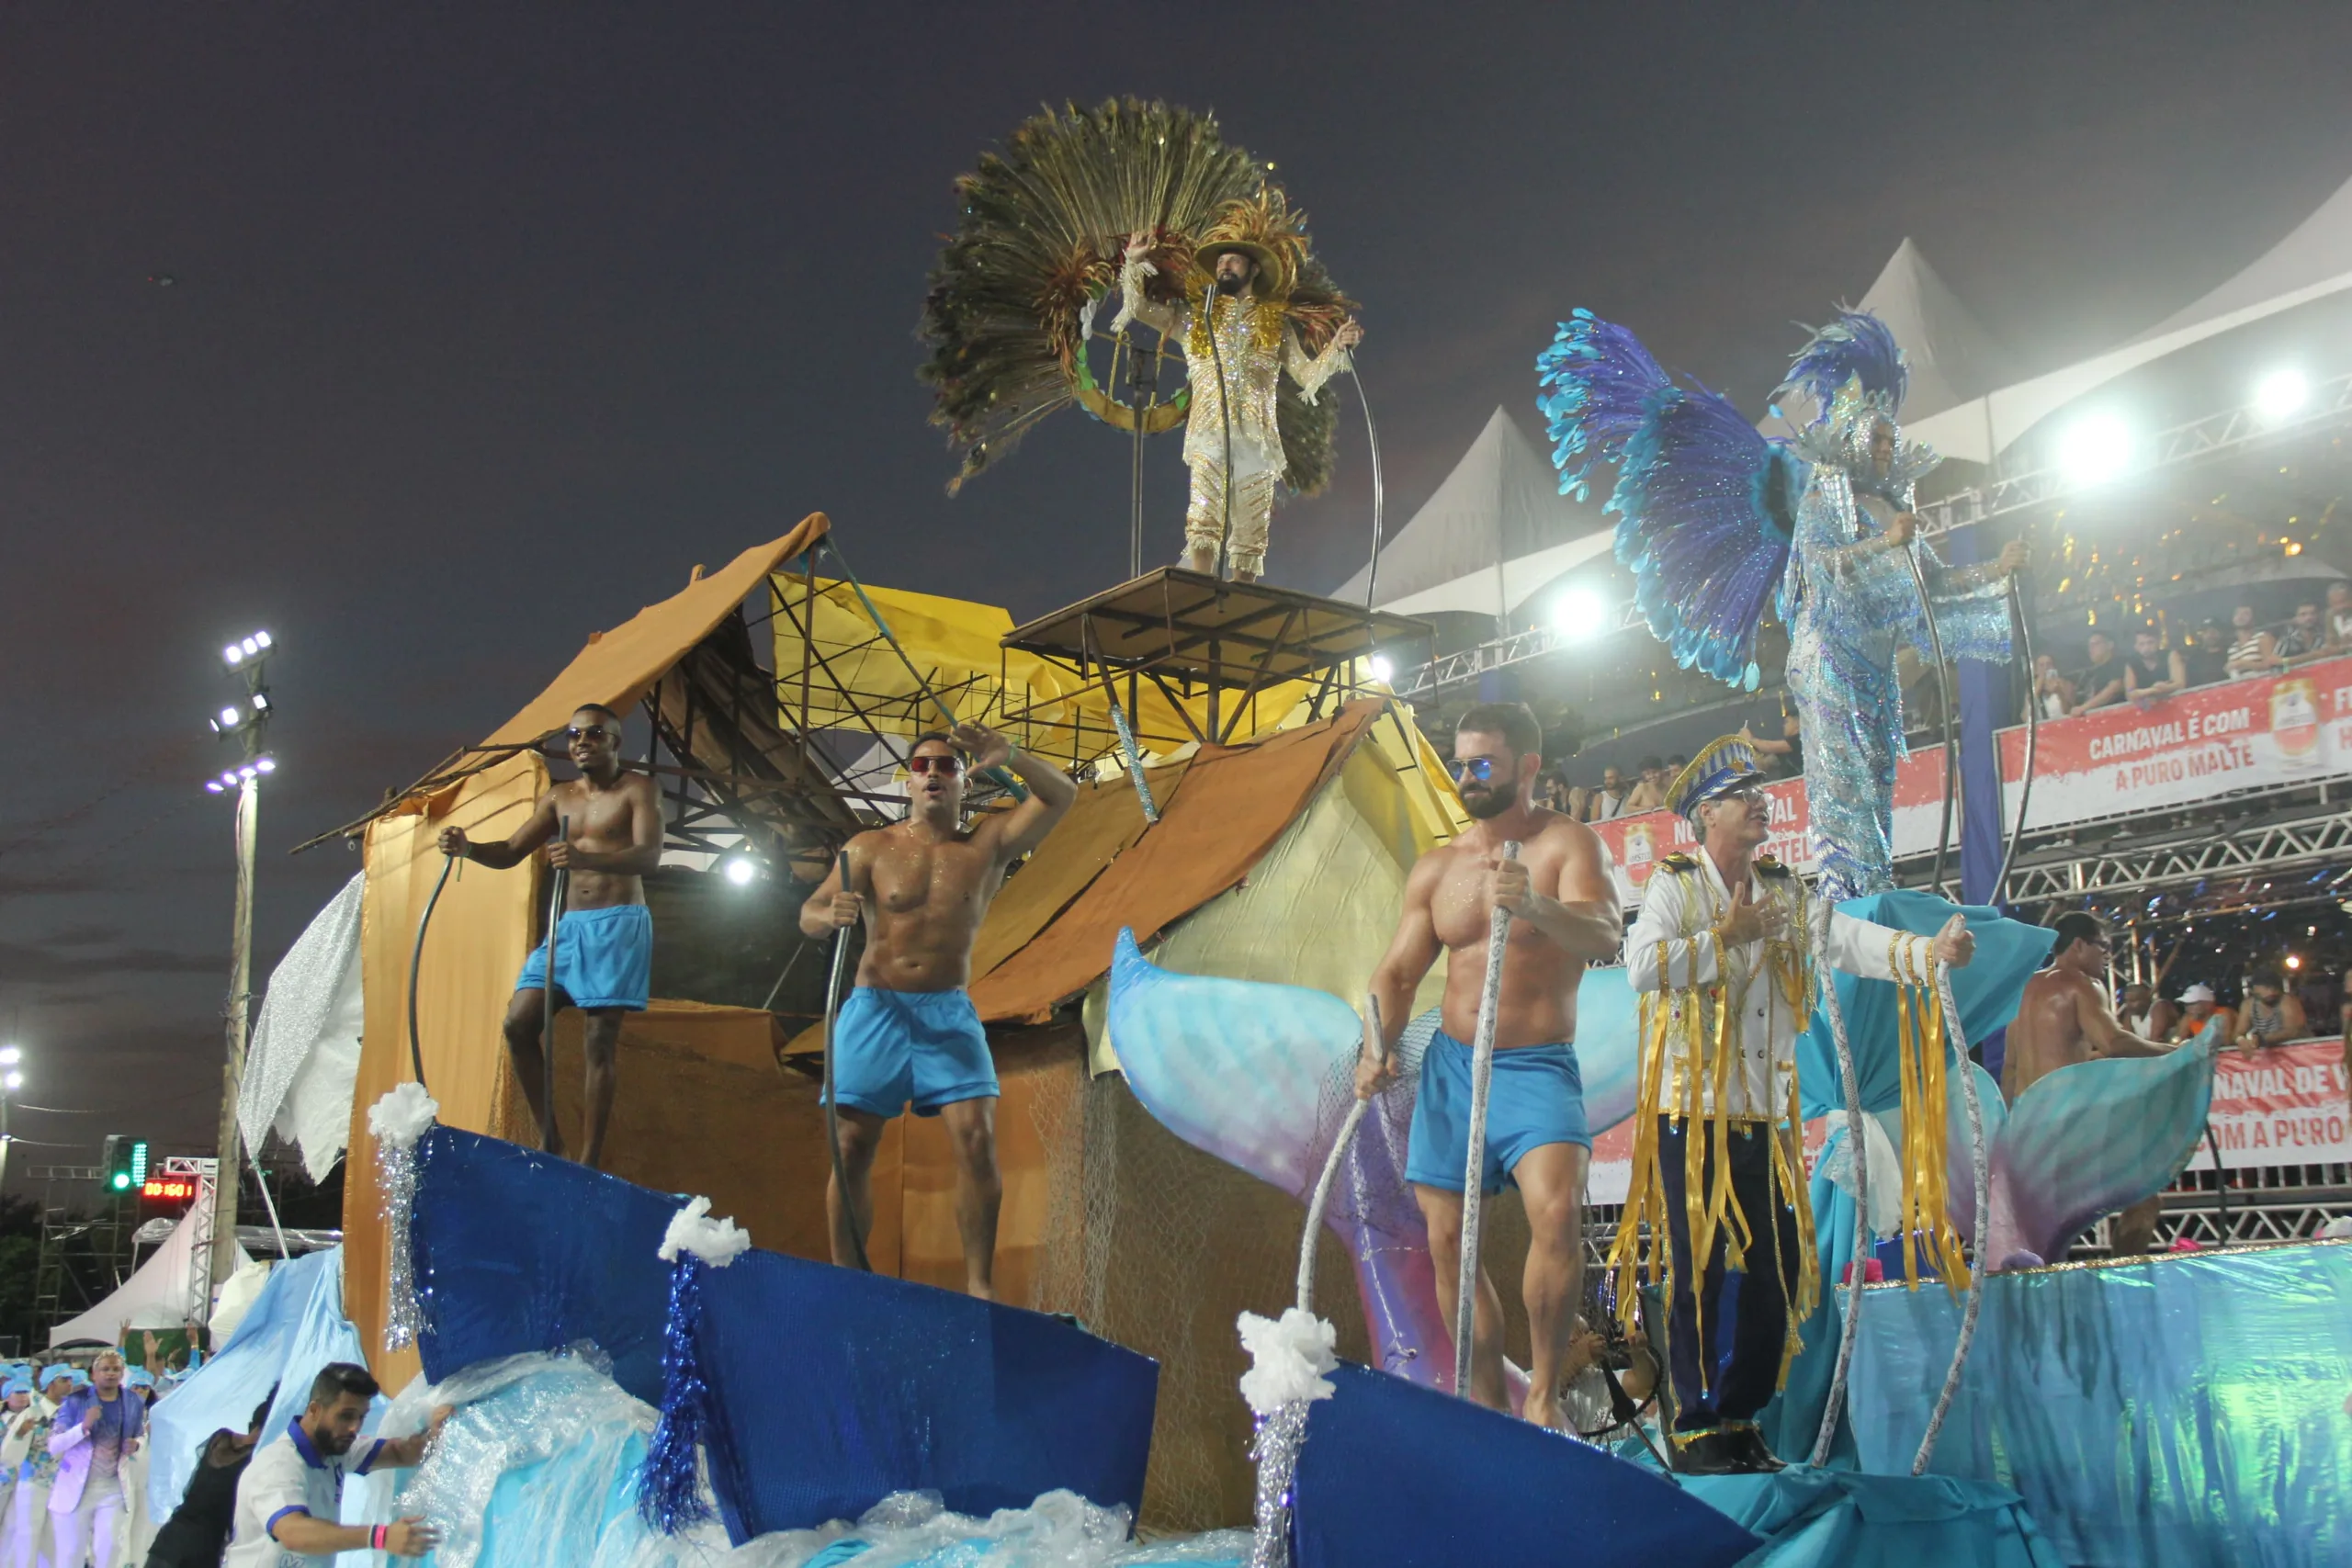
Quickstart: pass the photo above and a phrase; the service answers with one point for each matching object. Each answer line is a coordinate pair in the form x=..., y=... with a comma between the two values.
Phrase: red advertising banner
x=2245, y=734
x=1637, y=843
x=2260, y=731
x=2284, y=1105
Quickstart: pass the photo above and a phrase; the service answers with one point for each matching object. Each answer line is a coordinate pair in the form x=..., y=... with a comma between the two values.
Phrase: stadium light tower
x=12, y=1079
x=247, y=722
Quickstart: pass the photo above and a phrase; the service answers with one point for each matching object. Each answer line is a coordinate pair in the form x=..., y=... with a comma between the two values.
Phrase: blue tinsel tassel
x=668, y=1496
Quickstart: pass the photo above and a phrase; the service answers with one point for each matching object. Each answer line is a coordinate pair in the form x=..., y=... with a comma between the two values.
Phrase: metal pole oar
x=2033, y=735
x=1943, y=701
x=833, y=1116
x=416, y=962
x=557, y=893
x=1375, y=1053
x=1482, y=1074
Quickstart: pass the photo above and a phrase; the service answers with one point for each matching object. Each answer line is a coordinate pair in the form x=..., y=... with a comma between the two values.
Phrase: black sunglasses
x=587, y=732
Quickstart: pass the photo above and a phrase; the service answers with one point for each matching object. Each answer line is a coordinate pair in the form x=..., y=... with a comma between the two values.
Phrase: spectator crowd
x=2150, y=671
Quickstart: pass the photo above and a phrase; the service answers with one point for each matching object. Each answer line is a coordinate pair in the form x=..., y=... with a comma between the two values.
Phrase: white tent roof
x=303, y=1066
x=1493, y=534
x=160, y=1293
x=1950, y=356
x=2313, y=261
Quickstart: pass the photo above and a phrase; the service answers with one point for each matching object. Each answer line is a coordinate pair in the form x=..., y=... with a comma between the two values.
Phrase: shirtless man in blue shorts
x=908, y=1033
x=604, y=827
x=1565, y=917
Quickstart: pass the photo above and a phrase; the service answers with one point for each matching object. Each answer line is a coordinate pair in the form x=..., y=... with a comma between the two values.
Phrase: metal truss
x=2215, y=434
x=2129, y=866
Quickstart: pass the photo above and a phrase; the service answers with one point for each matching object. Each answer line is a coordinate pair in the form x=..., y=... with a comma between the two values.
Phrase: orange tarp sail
x=482, y=929
x=1235, y=802
x=619, y=666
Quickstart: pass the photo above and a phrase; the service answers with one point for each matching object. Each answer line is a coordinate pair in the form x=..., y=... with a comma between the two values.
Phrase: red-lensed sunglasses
x=949, y=766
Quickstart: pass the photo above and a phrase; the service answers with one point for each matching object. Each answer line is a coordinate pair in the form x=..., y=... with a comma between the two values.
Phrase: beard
x=1485, y=803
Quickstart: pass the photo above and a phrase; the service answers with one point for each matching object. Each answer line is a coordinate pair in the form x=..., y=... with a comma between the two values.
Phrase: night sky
x=486, y=325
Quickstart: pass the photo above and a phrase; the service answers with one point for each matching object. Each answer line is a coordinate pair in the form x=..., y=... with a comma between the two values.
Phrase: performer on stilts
x=1241, y=281
x=1716, y=522
x=1565, y=916
x=907, y=1033
x=1723, y=958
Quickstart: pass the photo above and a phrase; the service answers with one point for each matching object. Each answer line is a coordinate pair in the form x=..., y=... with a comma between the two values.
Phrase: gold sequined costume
x=1257, y=343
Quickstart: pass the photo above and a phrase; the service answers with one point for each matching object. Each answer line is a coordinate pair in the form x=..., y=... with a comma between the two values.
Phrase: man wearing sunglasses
x=1565, y=916
x=908, y=1033
x=604, y=827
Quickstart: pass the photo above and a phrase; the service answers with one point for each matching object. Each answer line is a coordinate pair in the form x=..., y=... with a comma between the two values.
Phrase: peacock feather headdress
x=1854, y=374
x=1011, y=297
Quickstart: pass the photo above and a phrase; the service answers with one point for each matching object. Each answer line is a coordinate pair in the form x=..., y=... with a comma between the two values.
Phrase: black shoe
x=1751, y=1455
x=1709, y=1453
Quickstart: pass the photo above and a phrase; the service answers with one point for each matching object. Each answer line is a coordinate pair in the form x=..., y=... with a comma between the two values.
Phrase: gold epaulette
x=1767, y=866
x=1679, y=863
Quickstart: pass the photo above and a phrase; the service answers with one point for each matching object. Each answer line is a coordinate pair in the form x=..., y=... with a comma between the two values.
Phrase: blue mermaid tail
x=2091, y=1139
x=1260, y=1075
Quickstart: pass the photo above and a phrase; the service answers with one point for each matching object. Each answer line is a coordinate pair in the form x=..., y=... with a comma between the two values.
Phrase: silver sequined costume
x=1854, y=607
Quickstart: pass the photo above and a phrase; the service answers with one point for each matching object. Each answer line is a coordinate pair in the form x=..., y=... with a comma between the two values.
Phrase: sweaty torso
x=602, y=821
x=2048, y=1033
x=925, y=900
x=1538, y=1004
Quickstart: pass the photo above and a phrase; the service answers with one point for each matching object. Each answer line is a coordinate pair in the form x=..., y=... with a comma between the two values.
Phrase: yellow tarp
x=954, y=645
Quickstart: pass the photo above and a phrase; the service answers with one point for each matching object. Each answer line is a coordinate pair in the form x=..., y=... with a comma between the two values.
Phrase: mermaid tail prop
x=2091, y=1139
x=1259, y=1075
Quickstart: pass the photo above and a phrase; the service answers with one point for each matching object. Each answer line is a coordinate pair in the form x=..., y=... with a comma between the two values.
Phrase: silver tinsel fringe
x=1275, y=1448
x=396, y=1181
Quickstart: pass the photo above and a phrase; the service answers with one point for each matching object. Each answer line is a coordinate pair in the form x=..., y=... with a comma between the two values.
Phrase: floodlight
x=230, y=777
x=13, y=1082
x=265, y=765
x=233, y=656
x=246, y=771
x=229, y=717
x=10, y=1055
x=252, y=645
x=261, y=702
x=262, y=638
x=741, y=870
x=212, y=785
x=2280, y=394
x=2097, y=448
x=2294, y=961
x=1579, y=613
x=1382, y=669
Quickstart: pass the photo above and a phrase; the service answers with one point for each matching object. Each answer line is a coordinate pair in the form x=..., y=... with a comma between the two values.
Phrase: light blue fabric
x=2008, y=952
x=2184, y=1411
x=604, y=958
x=1821, y=1518
x=295, y=1328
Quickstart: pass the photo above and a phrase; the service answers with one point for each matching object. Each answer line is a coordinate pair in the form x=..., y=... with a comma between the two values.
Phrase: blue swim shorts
x=1536, y=1098
x=604, y=958
x=891, y=1047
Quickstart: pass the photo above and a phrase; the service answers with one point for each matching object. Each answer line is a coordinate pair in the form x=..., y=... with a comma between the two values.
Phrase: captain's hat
x=1720, y=767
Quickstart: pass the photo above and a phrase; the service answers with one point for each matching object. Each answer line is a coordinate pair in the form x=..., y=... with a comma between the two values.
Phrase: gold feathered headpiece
x=1261, y=228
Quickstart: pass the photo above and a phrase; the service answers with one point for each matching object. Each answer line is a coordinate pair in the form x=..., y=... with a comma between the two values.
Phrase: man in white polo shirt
x=291, y=1495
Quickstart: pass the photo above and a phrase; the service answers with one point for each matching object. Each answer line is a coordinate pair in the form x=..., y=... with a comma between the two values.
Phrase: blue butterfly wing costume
x=1705, y=504
x=1718, y=524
